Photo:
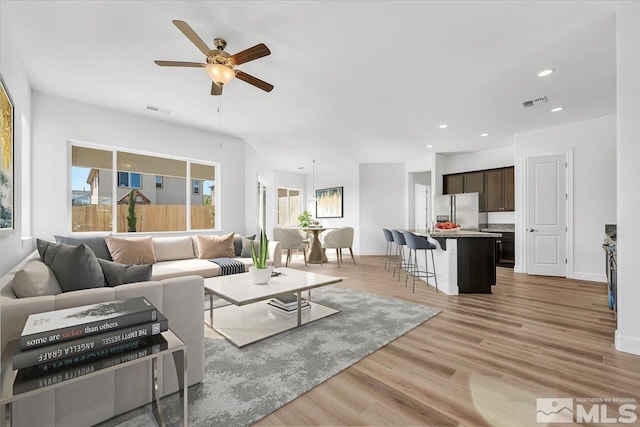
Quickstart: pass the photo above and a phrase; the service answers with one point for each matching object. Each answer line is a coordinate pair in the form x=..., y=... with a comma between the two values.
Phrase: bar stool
x=415, y=244
x=400, y=242
x=388, y=257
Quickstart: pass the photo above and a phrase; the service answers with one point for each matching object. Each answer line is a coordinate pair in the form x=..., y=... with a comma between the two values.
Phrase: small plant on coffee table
x=260, y=258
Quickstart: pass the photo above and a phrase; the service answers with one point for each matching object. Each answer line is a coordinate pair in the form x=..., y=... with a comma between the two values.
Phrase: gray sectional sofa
x=176, y=288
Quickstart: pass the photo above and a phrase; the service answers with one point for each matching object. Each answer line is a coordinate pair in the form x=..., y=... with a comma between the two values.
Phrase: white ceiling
x=367, y=81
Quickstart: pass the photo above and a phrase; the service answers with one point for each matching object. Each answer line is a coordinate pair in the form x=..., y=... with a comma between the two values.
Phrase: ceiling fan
x=219, y=64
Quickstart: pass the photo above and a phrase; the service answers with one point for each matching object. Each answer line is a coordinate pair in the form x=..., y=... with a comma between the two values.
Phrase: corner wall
x=13, y=248
x=382, y=203
x=628, y=175
x=593, y=143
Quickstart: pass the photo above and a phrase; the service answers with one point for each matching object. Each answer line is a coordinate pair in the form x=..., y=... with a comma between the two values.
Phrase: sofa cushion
x=246, y=247
x=131, y=250
x=75, y=267
x=169, y=248
x=183, y=267
x=119, y=274
x=215, y=246
x=35, y=279
x=96, y=243
x=238, y=243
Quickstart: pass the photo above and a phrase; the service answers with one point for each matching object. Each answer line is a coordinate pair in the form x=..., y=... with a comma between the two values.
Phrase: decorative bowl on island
x=446, y=227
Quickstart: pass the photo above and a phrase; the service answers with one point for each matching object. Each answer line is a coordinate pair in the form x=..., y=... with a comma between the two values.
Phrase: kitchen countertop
x=459, y=234
x=498, y=228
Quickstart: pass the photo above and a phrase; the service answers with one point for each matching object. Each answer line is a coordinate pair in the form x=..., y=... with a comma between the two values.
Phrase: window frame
x=161, y=186
x=216, y=197
x=196, y=187
x=129, y=176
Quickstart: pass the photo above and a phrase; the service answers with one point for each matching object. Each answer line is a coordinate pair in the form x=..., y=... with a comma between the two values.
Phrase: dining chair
x=290, y=240
x=341, y=238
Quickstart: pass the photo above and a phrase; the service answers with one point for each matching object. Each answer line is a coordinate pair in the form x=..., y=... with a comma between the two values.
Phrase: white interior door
x=546, y=215
x=421, y=197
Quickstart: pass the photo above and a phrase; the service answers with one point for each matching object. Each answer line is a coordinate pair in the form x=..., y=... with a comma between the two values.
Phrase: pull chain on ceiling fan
x=219, y=64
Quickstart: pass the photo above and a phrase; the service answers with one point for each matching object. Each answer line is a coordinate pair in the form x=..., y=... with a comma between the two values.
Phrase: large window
x=158, y=186
x=289, y=201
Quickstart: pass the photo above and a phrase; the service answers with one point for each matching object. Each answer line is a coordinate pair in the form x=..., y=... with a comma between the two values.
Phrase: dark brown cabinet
x=500, y=190
x=496, y=188
x=453, y=184
x=474, y=183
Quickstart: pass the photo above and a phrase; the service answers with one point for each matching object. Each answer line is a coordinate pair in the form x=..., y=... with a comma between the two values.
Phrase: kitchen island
x=465, y=260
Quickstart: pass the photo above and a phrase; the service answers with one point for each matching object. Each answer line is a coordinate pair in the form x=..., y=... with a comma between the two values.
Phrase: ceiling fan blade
x=251, y=54
x=260, y=84
x=191, y=35
x=180, y=64
x=215, y=89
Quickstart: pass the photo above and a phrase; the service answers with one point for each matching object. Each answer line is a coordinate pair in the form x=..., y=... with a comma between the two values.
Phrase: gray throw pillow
x=96, y=243
x=119, y=274
x=75, y=267
x=238, y=243
x=246, y=247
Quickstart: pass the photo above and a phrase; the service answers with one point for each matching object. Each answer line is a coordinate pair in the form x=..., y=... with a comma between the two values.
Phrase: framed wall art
x=329, y=203
x=7, y=212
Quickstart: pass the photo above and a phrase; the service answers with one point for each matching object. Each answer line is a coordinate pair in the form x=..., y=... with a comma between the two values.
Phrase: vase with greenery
x=131, y=213
x=260, y=272
x=305, y=219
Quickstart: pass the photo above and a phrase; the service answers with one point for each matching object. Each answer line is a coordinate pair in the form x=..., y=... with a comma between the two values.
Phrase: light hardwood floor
x=483, y=361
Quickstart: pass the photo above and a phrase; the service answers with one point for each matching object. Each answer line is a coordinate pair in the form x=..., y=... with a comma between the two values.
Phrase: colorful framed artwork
x=329, y=203
x=7, y=211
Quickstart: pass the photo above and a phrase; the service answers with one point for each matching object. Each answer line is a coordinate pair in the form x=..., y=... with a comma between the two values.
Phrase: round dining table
x=315, y=254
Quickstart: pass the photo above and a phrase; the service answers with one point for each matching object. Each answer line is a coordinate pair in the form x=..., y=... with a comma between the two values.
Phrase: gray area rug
x=241, y=386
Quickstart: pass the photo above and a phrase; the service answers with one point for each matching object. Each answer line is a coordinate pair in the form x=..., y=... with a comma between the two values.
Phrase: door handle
x=531, y=230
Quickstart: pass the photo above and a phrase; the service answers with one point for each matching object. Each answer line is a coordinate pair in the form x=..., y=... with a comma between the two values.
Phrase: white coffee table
x=249, y=319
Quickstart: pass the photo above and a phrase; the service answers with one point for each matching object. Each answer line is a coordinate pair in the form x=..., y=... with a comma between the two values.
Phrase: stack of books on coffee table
x=288, y=304
x=66, y=338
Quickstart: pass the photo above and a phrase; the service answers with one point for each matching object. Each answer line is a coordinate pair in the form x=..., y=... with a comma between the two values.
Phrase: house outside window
x=164, y=201
x=129, y=179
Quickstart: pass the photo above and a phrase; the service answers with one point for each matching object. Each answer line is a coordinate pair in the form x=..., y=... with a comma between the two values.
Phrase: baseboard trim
x=589, y=277
x=627, y=344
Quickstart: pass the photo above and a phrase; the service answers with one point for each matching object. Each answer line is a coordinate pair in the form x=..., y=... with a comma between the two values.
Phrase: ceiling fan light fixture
x=220, y=74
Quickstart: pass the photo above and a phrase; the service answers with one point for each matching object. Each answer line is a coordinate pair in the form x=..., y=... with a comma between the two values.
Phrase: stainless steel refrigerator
x=463, y=209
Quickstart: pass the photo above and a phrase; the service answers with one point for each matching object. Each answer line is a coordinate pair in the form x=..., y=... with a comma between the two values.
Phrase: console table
x=13, y=389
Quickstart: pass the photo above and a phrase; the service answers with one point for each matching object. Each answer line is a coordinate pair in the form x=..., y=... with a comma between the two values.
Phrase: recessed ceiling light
x=555, y=110
x=301, y=167
x=429, y=146
x=484, y=134
x=545, y=73
x=444, y=126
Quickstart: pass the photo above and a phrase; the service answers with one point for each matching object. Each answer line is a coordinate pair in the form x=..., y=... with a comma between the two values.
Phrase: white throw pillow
x=173, y=248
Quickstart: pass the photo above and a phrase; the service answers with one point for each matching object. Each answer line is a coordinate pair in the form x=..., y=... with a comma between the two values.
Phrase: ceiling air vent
x=158, y=109
x=534, y=102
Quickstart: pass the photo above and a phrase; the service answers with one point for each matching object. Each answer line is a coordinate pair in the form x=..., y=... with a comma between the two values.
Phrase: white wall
x=12, y=246
x=256, y=169
x=628, y=176
x=593, y=143
x=478, y=160
x=340, y=174
x=59, y=120
x=382, y=203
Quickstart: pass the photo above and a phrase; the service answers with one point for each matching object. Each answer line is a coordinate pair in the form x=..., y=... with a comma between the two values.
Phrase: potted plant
x=260, y=272
x=305, y=219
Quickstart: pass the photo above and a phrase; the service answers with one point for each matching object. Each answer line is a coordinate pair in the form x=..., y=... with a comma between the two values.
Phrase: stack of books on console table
x=288, y=304
x=64, y=338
